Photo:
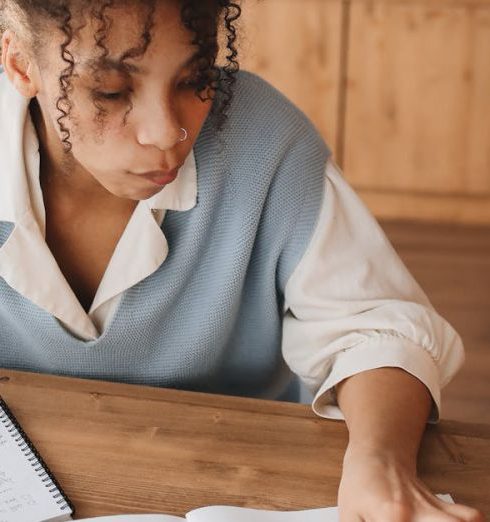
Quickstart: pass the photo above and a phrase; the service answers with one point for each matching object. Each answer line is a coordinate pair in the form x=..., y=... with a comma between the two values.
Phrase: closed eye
x=193, y=83
x=111, y=96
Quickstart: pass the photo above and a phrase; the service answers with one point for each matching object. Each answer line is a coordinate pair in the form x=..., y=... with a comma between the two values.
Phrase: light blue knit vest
x=210, y=318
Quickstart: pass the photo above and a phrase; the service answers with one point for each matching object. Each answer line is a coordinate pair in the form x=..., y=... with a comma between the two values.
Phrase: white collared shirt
x=350, y=304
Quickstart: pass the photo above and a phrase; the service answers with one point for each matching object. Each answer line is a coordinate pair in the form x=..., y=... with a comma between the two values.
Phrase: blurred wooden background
x=400, y=90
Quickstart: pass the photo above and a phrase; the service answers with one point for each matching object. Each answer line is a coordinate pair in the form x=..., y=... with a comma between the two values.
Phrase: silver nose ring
x=185, y=134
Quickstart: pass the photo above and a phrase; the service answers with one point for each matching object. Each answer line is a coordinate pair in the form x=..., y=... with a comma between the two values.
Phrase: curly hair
x=201, y=17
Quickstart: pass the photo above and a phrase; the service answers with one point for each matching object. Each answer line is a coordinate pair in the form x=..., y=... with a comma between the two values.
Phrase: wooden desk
x=131, y=449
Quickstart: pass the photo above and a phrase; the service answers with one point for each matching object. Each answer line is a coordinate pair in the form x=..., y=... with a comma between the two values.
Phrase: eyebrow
x=121, y=65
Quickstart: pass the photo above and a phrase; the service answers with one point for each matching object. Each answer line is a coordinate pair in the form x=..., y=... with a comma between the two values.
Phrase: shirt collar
x=20, y=149
x=14, y=191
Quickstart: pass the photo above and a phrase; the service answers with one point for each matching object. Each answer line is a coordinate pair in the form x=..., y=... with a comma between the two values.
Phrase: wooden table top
x=118, y=448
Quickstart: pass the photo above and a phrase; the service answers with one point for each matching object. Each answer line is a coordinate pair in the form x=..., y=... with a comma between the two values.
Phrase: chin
x=139, y=194
x=133, y=191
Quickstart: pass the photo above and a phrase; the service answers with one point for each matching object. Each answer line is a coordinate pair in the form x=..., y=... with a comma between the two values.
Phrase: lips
x=161, y=177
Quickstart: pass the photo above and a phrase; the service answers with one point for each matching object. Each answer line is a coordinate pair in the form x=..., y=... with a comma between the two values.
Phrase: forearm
x=386, y=410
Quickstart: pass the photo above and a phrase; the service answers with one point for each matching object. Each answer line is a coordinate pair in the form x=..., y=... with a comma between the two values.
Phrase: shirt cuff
x=381, y=351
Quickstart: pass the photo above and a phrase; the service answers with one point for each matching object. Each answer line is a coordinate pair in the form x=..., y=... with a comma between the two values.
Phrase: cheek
x=92, y=125
x=198, y=114
x=105, y=157
x=106, y=139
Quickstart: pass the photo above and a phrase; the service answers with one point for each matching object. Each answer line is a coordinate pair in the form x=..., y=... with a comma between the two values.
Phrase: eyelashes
x=197, y=83
x=123, y=95
x=109, y=96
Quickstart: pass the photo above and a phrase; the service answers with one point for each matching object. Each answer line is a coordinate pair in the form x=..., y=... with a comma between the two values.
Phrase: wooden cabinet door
x=417, y=122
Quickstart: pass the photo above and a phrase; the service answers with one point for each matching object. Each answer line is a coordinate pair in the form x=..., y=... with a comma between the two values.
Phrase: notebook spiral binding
x=30, y=452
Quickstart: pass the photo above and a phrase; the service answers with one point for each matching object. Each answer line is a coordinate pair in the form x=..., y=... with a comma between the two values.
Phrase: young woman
x=169, y=222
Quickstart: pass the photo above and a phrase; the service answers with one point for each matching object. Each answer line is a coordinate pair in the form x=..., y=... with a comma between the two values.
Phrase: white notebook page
x=237, y=514
x=134, y=518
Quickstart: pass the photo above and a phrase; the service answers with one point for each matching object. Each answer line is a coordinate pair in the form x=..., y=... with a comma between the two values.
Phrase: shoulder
x=257, y=94
x=259, y=111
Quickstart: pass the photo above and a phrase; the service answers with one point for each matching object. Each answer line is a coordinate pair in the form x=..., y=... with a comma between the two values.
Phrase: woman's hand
x=379, y=487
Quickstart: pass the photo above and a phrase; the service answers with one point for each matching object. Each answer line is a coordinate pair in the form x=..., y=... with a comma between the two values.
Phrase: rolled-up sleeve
x=351, y=305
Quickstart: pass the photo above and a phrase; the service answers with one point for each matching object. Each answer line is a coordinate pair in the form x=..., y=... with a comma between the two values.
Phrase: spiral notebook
x=28, y=490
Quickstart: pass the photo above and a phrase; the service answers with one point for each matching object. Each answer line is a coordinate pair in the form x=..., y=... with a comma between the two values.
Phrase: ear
x=18, y=65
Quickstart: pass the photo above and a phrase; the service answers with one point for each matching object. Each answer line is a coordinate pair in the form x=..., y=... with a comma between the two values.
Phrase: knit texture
x=210, y=318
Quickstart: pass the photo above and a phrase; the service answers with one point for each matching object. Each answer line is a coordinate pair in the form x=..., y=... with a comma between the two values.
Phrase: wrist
x=389, y=455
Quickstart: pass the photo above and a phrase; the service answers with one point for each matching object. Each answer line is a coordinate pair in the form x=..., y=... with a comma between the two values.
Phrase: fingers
x=399, y=512
x=463, y=513
x=459, y=512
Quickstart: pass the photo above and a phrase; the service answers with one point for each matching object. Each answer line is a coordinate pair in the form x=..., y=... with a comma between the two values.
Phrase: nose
x=159, y=126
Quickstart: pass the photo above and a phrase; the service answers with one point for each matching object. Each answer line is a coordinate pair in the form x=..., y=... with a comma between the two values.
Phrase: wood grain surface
x=119, y=448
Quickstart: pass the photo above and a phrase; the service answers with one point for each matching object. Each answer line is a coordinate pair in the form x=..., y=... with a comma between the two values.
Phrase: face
x=126, y=118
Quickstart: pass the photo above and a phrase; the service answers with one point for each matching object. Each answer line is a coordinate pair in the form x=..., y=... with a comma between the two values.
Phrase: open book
x=238, y=514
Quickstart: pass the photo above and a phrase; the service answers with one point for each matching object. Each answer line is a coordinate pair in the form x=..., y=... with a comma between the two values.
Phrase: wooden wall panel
x=418, y=104
x=391, y=205
x=417, y=140
x=296, y=46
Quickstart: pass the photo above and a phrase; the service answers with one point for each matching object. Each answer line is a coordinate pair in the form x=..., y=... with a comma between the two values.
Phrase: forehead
x=107, y=37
